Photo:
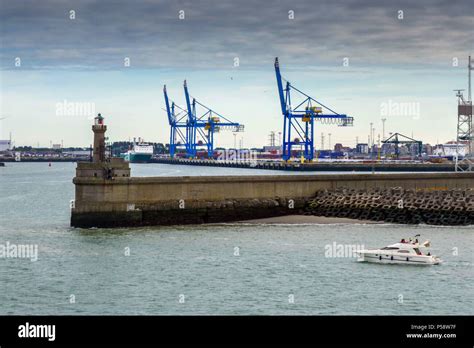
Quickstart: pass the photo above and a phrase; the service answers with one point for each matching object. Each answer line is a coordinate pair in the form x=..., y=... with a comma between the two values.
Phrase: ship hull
x=137, y=158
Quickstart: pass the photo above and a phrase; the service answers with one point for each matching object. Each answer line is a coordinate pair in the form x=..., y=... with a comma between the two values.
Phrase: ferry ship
x=450, y=151
x=140, y=153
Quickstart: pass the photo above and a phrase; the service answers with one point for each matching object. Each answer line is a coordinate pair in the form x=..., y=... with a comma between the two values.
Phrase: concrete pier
x=106, y=195
x=127, y=201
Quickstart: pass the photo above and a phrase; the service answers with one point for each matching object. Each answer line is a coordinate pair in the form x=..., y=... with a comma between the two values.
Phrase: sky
x=373, y=60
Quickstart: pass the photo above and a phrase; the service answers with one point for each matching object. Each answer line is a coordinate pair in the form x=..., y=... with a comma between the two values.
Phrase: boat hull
x=400, y=260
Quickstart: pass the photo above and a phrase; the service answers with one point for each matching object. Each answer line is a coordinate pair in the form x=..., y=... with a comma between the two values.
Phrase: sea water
x=237, y=268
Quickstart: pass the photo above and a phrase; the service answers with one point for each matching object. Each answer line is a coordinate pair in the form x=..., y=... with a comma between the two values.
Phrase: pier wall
x=321, y=166
x=141, y=201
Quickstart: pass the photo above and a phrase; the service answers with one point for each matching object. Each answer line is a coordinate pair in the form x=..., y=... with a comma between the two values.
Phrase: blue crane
x=301, y=118
x=177, y=121
x=205, y=123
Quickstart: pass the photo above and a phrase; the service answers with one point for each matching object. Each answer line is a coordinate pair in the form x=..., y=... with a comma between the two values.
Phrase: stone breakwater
x=396, y=205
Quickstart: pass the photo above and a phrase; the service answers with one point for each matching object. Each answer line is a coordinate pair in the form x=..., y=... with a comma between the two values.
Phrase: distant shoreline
x=41, y=160
x=313, y=167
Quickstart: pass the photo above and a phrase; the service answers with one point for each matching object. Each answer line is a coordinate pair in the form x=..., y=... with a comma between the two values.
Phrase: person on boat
x=403, y=240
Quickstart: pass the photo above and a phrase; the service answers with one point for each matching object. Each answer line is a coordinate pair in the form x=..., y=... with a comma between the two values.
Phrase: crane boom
x=280, y=87
x=168, y=109
x=204, y=124
x=300, y=119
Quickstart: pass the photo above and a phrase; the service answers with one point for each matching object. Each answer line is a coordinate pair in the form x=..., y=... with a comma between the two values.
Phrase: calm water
x=199, y=262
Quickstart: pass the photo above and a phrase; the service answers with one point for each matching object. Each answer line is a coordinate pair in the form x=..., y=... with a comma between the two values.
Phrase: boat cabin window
x=389, y=248
x=404, y=251
x=417, y=251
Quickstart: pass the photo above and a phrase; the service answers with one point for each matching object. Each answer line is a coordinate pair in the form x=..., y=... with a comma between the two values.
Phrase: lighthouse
x=101, y=167
x=98, y=173
x=99, y=129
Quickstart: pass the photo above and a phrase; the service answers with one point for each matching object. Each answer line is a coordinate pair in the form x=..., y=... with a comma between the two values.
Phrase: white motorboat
x=407, y=252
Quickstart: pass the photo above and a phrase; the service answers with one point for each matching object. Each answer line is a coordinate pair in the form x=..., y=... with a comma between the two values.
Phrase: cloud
x=212, y=33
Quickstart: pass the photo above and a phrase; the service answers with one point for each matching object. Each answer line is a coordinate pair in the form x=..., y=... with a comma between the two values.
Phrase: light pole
x=370, y=134
x=383, y=128
x=469, y=67
x=373, y=136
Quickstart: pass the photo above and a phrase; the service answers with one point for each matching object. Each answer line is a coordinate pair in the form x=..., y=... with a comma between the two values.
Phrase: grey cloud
x=214, y=32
